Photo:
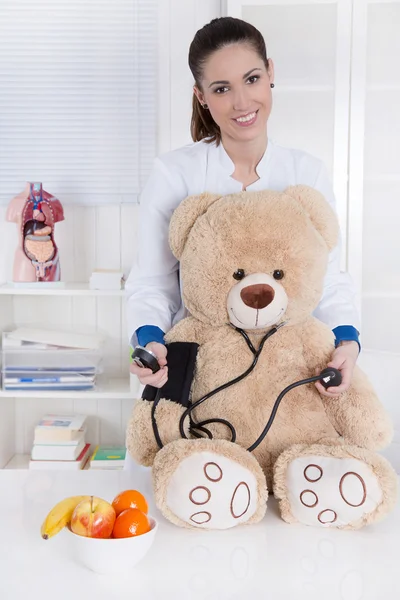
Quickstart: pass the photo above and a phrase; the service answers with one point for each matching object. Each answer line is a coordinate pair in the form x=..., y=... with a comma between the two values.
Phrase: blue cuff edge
x=346, y=333
x=146, y=334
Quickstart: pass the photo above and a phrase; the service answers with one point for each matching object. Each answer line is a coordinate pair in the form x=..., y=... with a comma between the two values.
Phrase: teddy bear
x=252, y=267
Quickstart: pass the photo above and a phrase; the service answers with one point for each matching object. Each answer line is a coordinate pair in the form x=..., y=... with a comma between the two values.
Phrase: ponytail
x=203, y=125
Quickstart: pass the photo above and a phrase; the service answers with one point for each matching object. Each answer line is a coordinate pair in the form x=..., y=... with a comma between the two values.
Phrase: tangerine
x=131, y=522
x=130, y=499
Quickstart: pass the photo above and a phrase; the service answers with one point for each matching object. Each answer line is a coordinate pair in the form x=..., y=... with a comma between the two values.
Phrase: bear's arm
x=188, y=330
x=357, y=414
x=140, y=439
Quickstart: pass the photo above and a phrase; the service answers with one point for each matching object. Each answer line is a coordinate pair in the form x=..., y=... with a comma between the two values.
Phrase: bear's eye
x=239, y=274
x=278, y=274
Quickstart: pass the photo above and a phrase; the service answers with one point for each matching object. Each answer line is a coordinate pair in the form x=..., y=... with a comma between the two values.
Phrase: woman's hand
x=146, y=376
x=344, y=359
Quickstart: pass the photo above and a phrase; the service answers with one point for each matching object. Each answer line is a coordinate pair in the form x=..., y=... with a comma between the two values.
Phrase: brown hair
x=217, y=34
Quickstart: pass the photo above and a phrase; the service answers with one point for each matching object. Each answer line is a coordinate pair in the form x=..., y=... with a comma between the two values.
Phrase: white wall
x=180, y=20
x=379, y=78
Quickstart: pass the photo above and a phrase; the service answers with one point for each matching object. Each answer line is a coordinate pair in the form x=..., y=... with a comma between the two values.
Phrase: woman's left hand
x=344, y=359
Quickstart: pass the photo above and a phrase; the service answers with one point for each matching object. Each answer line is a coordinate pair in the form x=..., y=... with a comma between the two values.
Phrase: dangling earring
x=272, y=85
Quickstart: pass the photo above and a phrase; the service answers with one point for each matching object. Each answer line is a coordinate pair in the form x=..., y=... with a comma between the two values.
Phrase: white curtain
x=78, y=97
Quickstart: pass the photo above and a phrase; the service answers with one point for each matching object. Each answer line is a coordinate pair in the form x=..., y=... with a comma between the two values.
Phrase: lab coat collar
x=228, y=165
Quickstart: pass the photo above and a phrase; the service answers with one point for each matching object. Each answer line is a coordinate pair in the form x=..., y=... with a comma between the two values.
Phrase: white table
x=269, y=560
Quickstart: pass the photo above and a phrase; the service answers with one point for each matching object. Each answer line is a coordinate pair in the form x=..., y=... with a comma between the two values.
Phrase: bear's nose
x=258, y=295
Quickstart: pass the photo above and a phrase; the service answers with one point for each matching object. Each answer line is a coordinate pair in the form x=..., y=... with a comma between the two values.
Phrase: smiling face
x=236, y=88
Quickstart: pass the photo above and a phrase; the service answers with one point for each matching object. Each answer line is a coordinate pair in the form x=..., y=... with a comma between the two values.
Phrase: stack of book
x=108, y=457
x=59, y=443
x=39, y=360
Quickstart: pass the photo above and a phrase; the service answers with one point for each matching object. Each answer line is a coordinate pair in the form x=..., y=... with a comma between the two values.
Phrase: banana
x=60, y=516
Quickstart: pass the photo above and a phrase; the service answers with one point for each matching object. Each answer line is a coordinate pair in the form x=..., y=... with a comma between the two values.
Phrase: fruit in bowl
x=130, y=499
x=60, y=516
x=104, y=537
x=93, y=518
x=131, y=522
x=113, y=555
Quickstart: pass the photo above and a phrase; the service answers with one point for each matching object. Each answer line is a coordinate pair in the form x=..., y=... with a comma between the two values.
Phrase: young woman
x=232, y=100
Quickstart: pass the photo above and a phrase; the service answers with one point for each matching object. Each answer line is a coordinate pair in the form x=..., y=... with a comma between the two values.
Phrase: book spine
x=95, y=452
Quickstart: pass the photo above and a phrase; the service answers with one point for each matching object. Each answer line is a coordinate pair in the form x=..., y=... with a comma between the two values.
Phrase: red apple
x=93, y=518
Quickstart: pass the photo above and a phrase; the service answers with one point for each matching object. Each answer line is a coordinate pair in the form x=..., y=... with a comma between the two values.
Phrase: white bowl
x=107, y=556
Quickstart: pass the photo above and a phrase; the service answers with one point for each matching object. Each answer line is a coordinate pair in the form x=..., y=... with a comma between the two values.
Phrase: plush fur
x=264, y=234
x=140, y=436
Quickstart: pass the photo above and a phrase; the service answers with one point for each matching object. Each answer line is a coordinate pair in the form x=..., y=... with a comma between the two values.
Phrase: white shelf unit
x=73, y=306
x=68, y=289
x=21, y=461
x=18, y=461
x=106, y=389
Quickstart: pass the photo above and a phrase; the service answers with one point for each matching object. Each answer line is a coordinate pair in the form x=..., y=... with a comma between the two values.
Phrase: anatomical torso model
x=35, y=211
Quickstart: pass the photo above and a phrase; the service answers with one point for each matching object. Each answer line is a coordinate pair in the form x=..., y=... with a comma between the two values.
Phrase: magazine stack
x=46, y=360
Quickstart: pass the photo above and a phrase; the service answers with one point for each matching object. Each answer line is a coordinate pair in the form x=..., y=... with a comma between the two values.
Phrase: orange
x=130, y=499
x=129, y=523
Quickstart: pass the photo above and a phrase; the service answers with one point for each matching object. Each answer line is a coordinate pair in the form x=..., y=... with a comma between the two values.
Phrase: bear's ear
x=184, y=217
x=319, y=211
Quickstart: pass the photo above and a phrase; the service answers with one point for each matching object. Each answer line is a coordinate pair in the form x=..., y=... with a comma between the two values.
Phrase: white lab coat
x=154, y=294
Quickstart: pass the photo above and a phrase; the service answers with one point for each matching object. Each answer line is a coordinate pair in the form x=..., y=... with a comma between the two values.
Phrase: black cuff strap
x=181, y=360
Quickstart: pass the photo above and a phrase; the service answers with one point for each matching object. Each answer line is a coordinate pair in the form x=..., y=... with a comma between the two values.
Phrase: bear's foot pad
x=332, y=492
x=210, y=491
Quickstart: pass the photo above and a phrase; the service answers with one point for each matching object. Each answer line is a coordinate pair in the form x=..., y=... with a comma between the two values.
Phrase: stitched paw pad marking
x=327, y=491
x=212, y=491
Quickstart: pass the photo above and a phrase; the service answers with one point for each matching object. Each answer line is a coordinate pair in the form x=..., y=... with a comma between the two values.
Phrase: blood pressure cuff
x=181, y=360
